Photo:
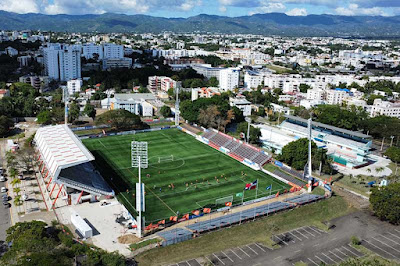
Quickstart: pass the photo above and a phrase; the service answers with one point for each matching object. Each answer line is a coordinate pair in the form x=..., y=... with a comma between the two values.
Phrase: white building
x=133, y=102
x=204, y=93
x=62, y=62
x=241, y=103
x=11, y=51
x=315, y=94
x=336, y=96
x=252, y=80
x=207, y=70
x=385, y=108
x=103, y=51
x=74, y=86
x=229, y=79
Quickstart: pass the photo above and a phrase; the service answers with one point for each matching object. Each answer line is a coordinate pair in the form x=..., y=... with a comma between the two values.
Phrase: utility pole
x=383, y=141
x=391, y=142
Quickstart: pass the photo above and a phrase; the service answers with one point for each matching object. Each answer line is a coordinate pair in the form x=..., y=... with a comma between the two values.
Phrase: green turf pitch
x=199, y=174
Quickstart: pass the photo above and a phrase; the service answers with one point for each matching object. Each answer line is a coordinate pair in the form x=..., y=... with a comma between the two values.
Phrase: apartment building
x=62, y=62
x=204, y=93
x=336, y=96
x=229, y=79
x=381, y=107
x=252, y=80
x=74, y=86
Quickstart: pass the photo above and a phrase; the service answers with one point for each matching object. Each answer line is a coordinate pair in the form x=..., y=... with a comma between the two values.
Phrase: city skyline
x=187, y=8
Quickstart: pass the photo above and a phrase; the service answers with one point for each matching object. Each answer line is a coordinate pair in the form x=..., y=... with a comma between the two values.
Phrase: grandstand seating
x=237, y=149
x=233, y=145
x=261, y=158
x=209, y=134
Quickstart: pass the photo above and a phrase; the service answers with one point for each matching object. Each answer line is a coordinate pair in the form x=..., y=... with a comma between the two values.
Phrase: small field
x=183, y=174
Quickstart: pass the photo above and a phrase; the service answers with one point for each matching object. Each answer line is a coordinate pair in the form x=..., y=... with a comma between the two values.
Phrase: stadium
x=184, y=174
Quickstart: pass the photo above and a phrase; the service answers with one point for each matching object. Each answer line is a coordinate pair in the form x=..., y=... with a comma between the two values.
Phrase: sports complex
x=184, y=174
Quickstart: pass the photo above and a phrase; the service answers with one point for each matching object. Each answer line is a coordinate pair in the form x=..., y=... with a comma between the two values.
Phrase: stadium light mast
x=65, y=99
x=139, y=156
x=309, y=163
x=177, y=112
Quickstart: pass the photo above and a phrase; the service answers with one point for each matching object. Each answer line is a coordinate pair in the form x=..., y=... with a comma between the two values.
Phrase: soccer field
x=195, y=178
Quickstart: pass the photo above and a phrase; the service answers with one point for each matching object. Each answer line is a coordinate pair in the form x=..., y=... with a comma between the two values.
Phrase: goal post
x=222, y=201
x=168, y=158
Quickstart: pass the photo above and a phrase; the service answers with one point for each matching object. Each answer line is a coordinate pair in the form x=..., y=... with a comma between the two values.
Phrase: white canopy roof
x=60, y=148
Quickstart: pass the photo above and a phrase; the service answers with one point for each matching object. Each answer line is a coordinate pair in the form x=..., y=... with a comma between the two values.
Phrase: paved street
x=313, y=246
x=4, y=213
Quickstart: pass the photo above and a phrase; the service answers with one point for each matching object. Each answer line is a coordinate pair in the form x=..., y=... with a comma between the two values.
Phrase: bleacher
x=289, y=178
x=233, y=145
x=237, y=150
x=221, y=140
x=261, y=158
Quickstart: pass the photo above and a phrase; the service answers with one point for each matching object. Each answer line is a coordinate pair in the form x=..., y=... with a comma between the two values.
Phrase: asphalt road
x=315, y=247
x=5, y=221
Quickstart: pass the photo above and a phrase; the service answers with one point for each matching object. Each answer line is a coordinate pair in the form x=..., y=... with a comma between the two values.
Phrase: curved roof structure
x=68, y=160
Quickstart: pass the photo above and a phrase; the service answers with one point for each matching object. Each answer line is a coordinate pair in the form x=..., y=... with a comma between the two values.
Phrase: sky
x=187, y=8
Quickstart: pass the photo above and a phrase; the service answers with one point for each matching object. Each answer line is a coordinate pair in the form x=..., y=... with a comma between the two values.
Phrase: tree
x=304, y=87
x=255, y=133
x=385, y=202
x=261, y=111
x=5, y=125
x=170, y=92
x=213, y=82
x=295, y=154
x=90, y=111
x=44, y=117
x=120, y=119
x=73, y=112
x=36, y=243
x=208, y=116
x=165, y=111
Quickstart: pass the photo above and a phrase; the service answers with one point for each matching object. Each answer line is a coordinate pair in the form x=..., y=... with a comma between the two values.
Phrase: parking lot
x=234, y=256
x=386, y=245
x=297, y=235
x=332, y=256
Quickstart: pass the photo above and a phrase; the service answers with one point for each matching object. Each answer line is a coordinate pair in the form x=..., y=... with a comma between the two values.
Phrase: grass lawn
x=259, y=231
x=199, y=173
x=280, y=69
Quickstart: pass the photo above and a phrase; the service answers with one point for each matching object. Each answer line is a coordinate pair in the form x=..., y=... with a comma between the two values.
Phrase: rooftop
x=325, y=126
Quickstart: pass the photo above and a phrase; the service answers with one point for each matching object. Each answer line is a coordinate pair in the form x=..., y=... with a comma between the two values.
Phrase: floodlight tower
x=139, y=156
x=309, y=162
x=177, y=112
x=65, y=100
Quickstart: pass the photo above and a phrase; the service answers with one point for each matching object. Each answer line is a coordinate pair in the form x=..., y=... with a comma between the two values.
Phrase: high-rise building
x=103, y=51
x=62, y=62
x=229, y=79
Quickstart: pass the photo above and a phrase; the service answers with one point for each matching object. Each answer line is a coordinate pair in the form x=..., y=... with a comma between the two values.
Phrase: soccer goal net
x=162, y=159
x=222, y=201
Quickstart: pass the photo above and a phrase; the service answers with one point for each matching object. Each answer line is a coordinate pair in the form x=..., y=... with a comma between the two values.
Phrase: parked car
x=1, y=171
x=24, y=197
x=3, y=189
x=7, y=205
x=2, y=178
x=5, y=197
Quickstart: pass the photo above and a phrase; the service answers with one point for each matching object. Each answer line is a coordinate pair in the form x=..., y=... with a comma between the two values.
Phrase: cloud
x=222, y=9
x=20, y=6
x=271, y=7
x=355, y=9
x=297, y=12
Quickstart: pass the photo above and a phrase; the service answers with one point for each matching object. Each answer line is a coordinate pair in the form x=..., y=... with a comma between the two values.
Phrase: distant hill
x=267, y=24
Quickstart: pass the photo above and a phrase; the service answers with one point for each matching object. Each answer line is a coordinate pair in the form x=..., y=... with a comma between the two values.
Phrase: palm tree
x=379, y=170
x=15, y=181
x=17, y=200
x=369, y=170
x=17, y=190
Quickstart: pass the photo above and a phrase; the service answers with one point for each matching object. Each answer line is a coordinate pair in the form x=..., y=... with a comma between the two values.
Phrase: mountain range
x=266, y=24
